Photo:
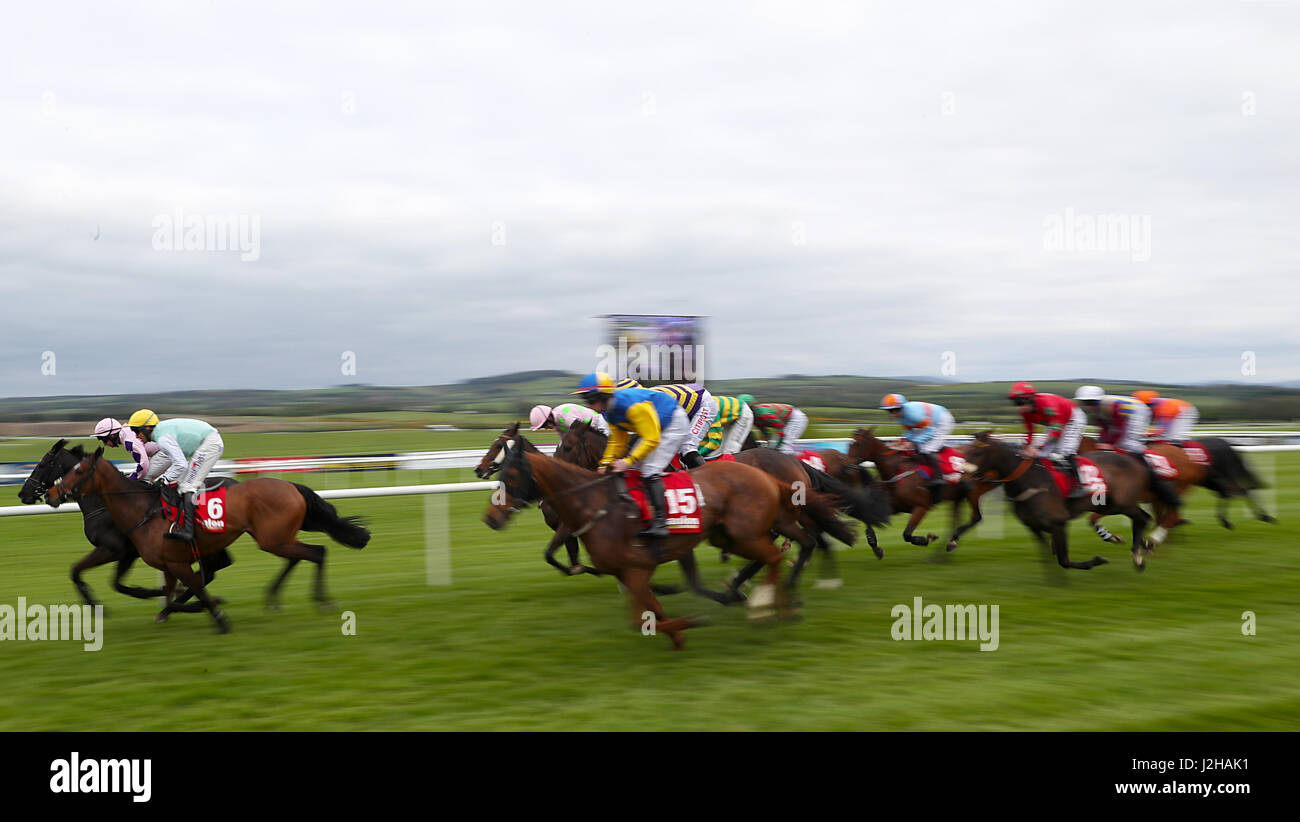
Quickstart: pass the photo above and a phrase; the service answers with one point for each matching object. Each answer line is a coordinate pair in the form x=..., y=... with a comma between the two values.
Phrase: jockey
x=112, y=433
x=700, y=407
x=1122, y=423
x=785, y=422
x=1063, y=421
x=927, y=428
x=656, y=418
x=562, y=417
x=727, y=434
x=1171, y=419
x=187, y=451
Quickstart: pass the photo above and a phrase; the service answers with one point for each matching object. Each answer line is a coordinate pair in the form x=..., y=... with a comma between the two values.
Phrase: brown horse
x=741, y=506
x=1189, y=474
x=1040, y=506
x=272, y=510
x=584, y=446
x=908, y=490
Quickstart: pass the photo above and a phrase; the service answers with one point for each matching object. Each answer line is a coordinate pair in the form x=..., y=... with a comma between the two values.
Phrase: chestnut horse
x=908, y=490
x=272, y=510
x=583, y=445
x=740, y=508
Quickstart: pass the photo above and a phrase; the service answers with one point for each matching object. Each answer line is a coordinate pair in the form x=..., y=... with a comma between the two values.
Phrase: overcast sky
x=451, y=191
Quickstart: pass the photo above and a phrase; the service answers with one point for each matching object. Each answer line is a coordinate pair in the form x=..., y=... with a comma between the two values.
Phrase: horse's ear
x=58, y=446
x=984, y=436
x=514, y=429
x=99, y=452
x=77, y=451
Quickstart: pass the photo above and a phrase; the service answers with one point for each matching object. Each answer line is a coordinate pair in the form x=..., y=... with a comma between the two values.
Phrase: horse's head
x=581, y=445
x=491, y=462
x=986, y=454
x=518, y=488
x=79, y=479
x=53, y=465
x=865, y=446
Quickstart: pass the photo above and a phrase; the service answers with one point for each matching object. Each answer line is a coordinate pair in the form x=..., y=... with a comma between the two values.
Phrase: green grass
x=513, y=645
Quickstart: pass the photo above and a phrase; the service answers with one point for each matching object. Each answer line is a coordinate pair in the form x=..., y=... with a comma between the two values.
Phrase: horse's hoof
x=829, y=584
x=952, y=545
x=1226, y=524
x=272, y=605
x=324, y=605
x=1269, y=519
x=162, y=616
x=223, y=624
x=879, y=552
x=1100, y=561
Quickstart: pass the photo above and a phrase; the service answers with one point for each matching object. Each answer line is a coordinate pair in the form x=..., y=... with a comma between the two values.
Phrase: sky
x=433, y=192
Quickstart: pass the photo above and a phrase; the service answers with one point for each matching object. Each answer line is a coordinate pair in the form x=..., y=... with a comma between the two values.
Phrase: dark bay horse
x=742, y=506
x=110, y=544
x=272, y=510
x=1040, y=506
x=1166, y=518
x=910, y=493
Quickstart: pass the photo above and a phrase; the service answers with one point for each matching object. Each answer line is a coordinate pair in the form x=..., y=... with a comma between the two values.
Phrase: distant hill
x=841, y=397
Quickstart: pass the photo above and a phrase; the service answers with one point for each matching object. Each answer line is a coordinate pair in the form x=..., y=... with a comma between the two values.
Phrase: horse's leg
x=830, y=571
x=976, y=517
x=1257, y=509
x=918, y=514
x=123, y=565
x=169, y=587
x=193, y=581
x=874, y=542
x=637, y=582
x=1140, y=549
x=1061, y=547
x=272, y=602
x=691, y=571
x=97, y=556
x=1094, y=519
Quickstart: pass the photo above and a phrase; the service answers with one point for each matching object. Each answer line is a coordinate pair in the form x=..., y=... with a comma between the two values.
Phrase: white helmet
x=107, y=427
x=1089, y=393
x=539, y=416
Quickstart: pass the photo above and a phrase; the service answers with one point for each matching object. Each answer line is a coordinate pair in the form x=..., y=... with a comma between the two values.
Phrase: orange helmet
x=1022, y=389
x=1146, y=396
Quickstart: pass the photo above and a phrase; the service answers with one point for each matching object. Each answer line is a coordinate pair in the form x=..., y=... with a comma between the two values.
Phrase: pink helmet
x=539, y=416
x=107, y=427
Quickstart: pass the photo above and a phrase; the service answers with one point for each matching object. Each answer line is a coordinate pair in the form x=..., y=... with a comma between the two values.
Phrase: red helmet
x=1022, y=389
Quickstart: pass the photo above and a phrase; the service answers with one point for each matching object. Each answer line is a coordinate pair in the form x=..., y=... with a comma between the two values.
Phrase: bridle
x=980, y=476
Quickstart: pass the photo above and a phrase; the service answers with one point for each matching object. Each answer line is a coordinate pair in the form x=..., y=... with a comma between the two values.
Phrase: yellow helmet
x=597, y=382
x=142, y=418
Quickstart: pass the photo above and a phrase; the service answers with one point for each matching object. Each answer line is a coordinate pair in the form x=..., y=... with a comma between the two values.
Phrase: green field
x=510, y=644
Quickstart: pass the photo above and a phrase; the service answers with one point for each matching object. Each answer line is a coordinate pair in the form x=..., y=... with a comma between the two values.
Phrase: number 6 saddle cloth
x=209, y=509
x=682, y=500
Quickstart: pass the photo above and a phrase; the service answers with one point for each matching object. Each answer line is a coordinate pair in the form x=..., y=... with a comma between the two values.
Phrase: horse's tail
x=820, y=508
x=1228, y=462
x=321, y=516
x=865, y=504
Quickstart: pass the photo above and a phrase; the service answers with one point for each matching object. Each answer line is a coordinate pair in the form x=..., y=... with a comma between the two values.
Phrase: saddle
x=682, y=501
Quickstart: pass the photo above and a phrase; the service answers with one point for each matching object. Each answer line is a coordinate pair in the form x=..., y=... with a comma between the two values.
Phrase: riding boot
x=185, y=530
x=936, y=481
x=654, y=491
x=1080, y=490
x=692, y=459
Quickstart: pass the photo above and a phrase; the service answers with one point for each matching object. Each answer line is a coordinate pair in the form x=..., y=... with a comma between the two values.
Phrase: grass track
x=512, y=645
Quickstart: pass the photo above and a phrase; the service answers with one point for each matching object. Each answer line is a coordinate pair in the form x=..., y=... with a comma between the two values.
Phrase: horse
x=1040, y=505
x=491, y=463
x=908, y=490
x=1166, y=518
x=272, y=510
x=1229, y=477
x=584, y=446
x=741, y=506
x=110, y=544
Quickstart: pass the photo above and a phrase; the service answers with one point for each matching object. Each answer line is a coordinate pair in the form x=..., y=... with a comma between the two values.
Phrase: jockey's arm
x=645, y=420
x=615, y=446
x=136, y=449
x=169, y=446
